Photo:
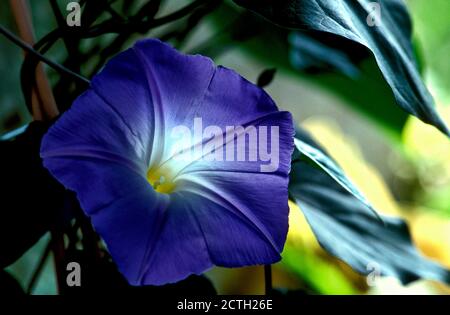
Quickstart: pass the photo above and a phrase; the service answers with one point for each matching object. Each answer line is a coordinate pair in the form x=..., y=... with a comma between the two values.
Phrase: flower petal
x=123, y=207
x=217, y=95
x=179, y=248
x=206, y=226
x=91, y=129
x=147, y=84
x=280, y=157
x=257, y=199
x=223, y=213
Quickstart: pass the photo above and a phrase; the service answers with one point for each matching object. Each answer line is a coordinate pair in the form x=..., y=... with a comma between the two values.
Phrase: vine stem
x=268, y=279
x=44, y=104
x=28, y=48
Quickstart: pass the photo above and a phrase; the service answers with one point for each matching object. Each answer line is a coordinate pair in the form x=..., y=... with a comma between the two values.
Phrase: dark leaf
x=344, y=226
x=30, y=196
x=266, y=77
x=315, y=52
x=312, y=151
x=369, y=94
x=390, y=41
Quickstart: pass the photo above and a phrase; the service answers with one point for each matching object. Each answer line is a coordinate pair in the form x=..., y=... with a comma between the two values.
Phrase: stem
x=45, y=107
x=44, y=59
x=70, y=43
x=136, y=24
x=58, y=257
x=178, y=14
x=268, y=279
x=43, y=102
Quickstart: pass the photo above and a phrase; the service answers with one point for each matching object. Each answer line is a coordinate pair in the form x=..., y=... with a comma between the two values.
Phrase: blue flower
x=162, y=217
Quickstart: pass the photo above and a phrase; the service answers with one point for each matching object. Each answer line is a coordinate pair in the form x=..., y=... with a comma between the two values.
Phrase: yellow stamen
x=160, y=179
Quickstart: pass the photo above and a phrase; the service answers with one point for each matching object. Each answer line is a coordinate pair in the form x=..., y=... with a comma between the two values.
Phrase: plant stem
x=43, y=100
x=268, y=279
x=44, y=108
x=44, y=59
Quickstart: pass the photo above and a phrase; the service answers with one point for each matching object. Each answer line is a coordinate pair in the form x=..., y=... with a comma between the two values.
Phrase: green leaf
x=341, y=219
x=313, y=53
x=389, y=41
x=367, y=94
x=321, y=159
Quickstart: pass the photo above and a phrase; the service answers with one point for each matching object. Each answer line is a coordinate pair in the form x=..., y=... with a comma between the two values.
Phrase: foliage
x=327, y=42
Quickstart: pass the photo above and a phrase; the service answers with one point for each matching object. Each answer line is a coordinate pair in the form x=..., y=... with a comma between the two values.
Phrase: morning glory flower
x=166, y=205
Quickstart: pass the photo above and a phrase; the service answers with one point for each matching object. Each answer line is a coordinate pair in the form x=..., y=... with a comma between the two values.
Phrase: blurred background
x=401, y=164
